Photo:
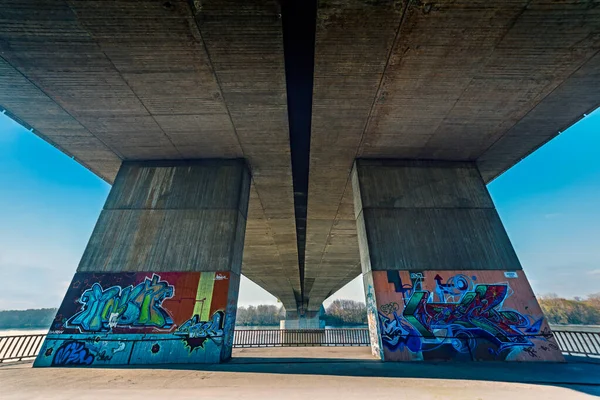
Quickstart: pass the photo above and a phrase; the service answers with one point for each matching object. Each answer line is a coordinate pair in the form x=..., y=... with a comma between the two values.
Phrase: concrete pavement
x=308, y=373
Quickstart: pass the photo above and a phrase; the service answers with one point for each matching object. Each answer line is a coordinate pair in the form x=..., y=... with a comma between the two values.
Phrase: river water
x=15, y=332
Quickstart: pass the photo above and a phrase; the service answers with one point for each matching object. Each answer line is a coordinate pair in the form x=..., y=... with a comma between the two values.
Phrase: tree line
x=262, y=315
x=346, y=313
x=339, y=313
x=577, y=311
x=27, y=319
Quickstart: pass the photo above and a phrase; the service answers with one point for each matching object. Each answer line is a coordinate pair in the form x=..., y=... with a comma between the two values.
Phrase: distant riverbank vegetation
x=577, y=311
x=262, y=315
x=346, y=313
x=339, y=313
x=27, y=319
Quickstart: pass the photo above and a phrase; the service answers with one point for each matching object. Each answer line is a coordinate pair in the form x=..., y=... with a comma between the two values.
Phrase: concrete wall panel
x=421, y=184
x=415, y=214
x=165, y=240
x=416, y=238
x=172, y=216
x=206, y=184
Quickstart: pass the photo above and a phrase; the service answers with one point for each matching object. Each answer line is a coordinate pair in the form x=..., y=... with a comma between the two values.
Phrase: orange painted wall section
x=459, y=315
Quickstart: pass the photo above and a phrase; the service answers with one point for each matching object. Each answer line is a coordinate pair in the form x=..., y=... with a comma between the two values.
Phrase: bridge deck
x=448, y=80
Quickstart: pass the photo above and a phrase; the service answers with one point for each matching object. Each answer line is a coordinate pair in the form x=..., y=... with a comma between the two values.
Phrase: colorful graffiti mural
x=139, y=306
x=143, y=317
x=196, y=332
x=470, y=315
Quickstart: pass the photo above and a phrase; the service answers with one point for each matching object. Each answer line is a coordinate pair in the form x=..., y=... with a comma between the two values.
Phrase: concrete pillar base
x=461, y=315
x=306, y=320
x=302, y=323
x=159, y=280
x=441, y=278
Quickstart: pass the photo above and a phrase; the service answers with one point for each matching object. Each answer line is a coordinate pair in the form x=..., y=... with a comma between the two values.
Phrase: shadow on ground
x=582, y=377
x=575, y=374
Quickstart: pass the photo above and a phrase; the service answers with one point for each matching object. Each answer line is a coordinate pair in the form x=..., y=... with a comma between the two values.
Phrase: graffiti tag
x=389, y=308
x=73, y=353
x=139, y=306
x=195, y=332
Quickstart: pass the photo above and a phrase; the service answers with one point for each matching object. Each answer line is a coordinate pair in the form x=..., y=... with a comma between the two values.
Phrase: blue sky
x=49, y=204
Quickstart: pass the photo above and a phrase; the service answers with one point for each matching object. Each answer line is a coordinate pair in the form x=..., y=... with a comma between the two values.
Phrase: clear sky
x=549, y=203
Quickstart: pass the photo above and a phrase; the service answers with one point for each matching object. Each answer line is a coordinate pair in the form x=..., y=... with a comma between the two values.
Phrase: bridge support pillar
x=310, y=320
x=159, y=279
x=442, y=280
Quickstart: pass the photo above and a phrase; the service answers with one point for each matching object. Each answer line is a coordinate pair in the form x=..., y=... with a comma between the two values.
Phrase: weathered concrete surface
x=206, y=201
x=309, y=321
x=316, y=373
x=423, y=223
x=165, y=254
x=144, y=80
x=486, y=81
x=302, y=354
x=424, y=215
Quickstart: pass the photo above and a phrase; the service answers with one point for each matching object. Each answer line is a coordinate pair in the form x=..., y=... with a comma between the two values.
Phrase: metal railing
x=300, y=337
x=21, y=347
x=580, y=342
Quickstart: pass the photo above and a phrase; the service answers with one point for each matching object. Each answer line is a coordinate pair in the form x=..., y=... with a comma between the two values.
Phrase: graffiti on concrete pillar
x=143, y=318
x=195, y=332
x=444, y=315
x=72, y=353
x=85, y=351
x=396, y=333
x=477, y=312
x=130, y=306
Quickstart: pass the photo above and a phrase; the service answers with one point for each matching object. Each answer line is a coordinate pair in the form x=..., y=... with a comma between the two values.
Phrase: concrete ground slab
x=303, y=354
x=307, y=373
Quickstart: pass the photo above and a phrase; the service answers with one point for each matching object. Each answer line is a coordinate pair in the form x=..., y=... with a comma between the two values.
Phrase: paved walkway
x=307, y=373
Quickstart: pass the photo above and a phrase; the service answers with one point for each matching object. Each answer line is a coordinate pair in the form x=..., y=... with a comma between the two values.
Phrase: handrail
x=301, y=337
x=20, y=347
x=584, y=342
x=578, y=343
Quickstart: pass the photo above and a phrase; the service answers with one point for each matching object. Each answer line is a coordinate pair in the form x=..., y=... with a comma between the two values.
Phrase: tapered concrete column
x=308, y=320
x=158, y=282
x=442, y=280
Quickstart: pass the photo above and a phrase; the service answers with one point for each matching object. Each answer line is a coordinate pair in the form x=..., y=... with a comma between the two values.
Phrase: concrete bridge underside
x=482, y=81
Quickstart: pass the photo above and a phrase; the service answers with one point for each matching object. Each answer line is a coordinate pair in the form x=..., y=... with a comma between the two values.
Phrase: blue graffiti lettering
x=139, y=306
x=73, y=353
